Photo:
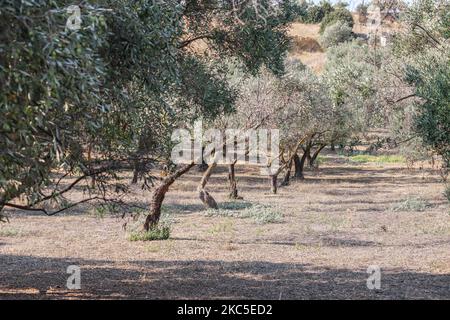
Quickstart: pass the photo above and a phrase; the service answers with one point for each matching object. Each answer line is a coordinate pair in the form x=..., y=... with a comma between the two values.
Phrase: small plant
x=159, y=232
x=156, y=233
x=260, y=213
x=411, y=204
x=9, y=232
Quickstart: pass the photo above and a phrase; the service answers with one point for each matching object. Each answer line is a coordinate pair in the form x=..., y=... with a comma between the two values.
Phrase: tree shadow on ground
x=33, y=277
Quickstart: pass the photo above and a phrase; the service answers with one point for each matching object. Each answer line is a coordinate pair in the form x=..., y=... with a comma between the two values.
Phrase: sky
x=352, y=3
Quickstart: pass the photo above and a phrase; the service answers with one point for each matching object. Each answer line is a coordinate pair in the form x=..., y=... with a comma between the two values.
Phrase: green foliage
x=428, y=70
x=120, y=84
x=350, y=74
x=312, y=13
x=156, y=233
x=336, y=33
x=50, y=87
x=339, y=14
x=433, y=120
x=427, y=23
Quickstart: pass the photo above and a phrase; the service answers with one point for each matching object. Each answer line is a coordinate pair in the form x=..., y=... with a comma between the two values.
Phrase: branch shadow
x=31, y=277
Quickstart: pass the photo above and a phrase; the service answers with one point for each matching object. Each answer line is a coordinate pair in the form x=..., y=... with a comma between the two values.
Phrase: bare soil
x=336, y=223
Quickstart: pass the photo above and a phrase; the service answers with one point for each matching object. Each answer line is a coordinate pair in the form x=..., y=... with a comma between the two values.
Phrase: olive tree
x=91, y=102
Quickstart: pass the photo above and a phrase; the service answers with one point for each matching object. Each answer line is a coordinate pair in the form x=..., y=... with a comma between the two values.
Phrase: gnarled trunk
x=315, y=154
x=299, y=163
x=302, y=164
x=297, y=167
x=158, y=196
x=204, y=195
x=287, y=175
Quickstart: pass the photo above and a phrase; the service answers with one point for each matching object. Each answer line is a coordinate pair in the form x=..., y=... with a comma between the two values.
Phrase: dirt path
x=335, y=224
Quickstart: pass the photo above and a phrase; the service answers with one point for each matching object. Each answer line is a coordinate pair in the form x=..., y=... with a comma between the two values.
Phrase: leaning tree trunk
x=204, y=195
x=287, y=175
x=302, y=164
x=158, y=197
x=232, y=180
x=314, y=156
x=299, y=163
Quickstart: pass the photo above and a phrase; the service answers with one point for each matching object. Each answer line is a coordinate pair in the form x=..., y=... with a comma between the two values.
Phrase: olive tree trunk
x=297, y=167
x=312, y=162
x=204, y=195
x=287, y=175
x=158, y=196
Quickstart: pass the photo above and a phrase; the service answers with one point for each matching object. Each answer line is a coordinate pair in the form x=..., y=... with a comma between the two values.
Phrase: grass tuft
x=157, y=233
x=363, y=158
x=260, y=213
x=9, y=233
x=411, y=204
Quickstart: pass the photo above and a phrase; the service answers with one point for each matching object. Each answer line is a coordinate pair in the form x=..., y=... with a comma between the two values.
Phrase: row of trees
x=84, y=106
x=90, y=103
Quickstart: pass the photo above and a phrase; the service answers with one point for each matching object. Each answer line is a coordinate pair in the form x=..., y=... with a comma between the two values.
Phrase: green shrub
x=313, y=13
x=156, y=233
x=340, y=14
x=336, y=33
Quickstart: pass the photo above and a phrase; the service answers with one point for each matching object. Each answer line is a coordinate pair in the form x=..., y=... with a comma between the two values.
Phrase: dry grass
x=335, y=223
x=305, y=30
x=306, y=47
x=306, y=37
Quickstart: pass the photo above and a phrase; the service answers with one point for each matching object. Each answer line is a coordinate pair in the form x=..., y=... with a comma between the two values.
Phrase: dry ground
x=316, y=60
x=335, y=224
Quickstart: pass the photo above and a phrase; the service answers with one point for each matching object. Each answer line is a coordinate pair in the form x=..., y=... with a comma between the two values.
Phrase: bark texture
x=158, y=196
x=204, y=195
